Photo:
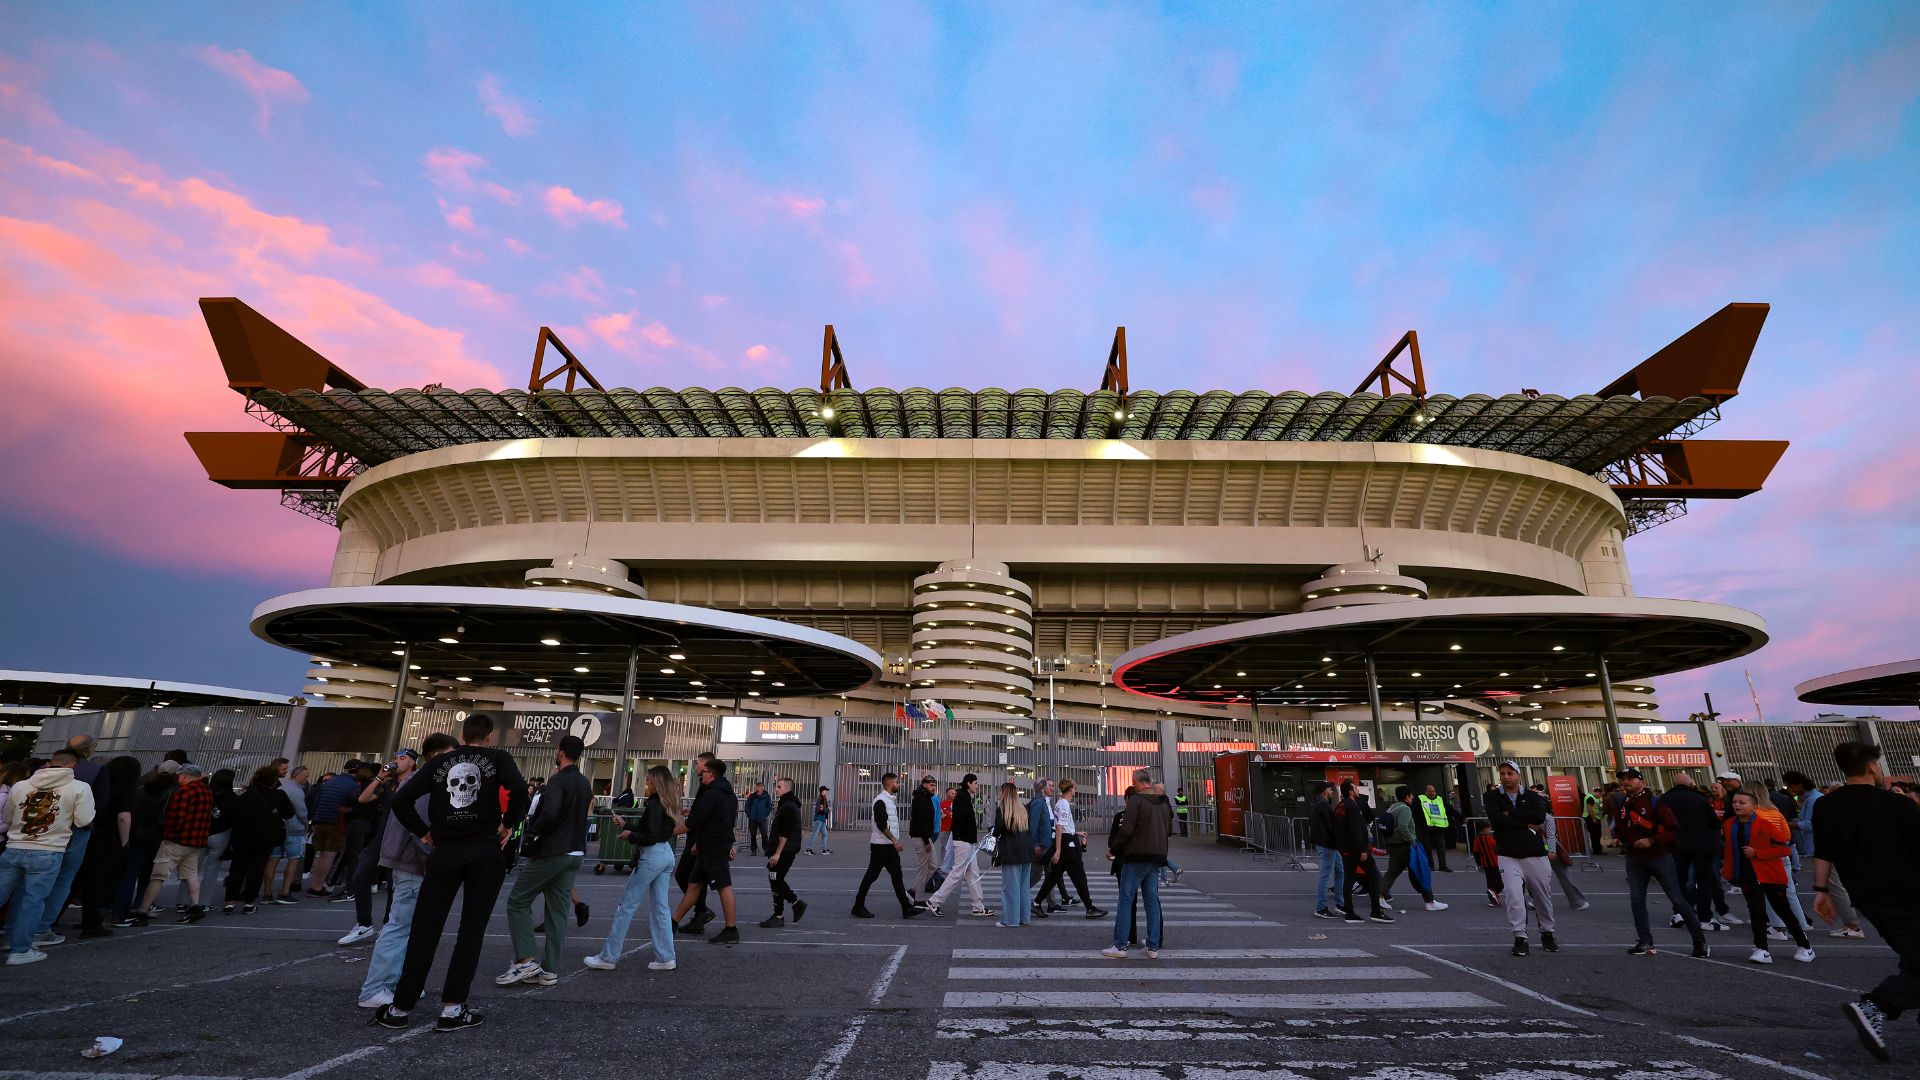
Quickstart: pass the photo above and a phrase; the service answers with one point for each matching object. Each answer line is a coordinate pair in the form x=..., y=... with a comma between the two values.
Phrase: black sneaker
x=1868, y=1023
x=861, y=913
x=342, y=898
x=580, y=914
x=460, y=1021
x=1547, y=942
x=194, y=914
x=1324, y=913
x=137, y=920
x=246, y=909
x=727, y=936
x=1641, y=948
x=912, y=911
x=283, y=900
x=799, y=911
x=1095, y=913
x=772, y=922
x=129, y=921
x=1039, y=912
x=690, y=928
x=1701, y=950
x=387, y=1018
x=1520, y=946
x=1348, y=916
x=1380, y=916
x=706, y=916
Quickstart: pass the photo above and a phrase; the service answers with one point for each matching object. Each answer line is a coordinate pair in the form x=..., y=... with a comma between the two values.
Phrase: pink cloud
x=583, y=283
x=619, y=330
x=713, y=301
x=569, y=209
x=266, y=85
x=754, y=352
x=800, y=206
x=518, y=248
x=473, y=293
x=452, y=168
x=459, y=217
x=512, y=115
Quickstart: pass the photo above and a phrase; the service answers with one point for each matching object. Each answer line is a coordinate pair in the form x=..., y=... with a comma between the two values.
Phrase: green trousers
x=553, y=878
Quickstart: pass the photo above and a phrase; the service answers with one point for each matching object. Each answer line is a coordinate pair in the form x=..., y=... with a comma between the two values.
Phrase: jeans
x=1016, y=881
x=648, y=885
x=366, y=874
x=1332, y=872
x=1135, y=879
x=383, y=968
x=1663, y=870
x=76, y=853
x=27, y=878
x=1701, y=872
x=473, y=868
x=1899, y=991
x=552, y=879
x=819, y=833
x=210, y=866
x=1167, y=871
x=967, y=869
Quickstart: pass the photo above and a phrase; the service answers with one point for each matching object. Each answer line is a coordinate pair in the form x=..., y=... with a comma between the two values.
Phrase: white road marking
x=1155, y=972
x=1490, y=977
x=1309, y=1070
x=1214, y=922
x=1757, y=969
x=170, y=986
x=1751, y=1059
x=1210, y=1029
x=829, y=1066
x=1034, y=999
x=1174, y=954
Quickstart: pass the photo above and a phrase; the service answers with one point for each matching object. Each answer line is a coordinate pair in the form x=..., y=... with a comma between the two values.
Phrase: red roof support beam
x=1409, y=343
x=1115, y=377
x=259, y=355
x=270, y=459
x=1706, y=361
x=1697, y=469
x=572, y=369
x=833, y=366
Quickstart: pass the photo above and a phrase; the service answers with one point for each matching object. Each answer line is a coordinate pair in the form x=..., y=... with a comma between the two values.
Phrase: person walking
x=1518, y=817
x=783, y=847
x=1352, y=833
x=184, y=824
x=1140, y=837
x=961, y=845
x=1871, y=836
x=822, y=815
x=1646, y=831
x=1432, y=828
x=652, y=835
x=711, y=843
x=1802, y=788
x=1400, y=844
x=556, y=842
x=1321, y=828
x=1557, y=858
x=1756, y=861
x=1069, y=864
x=883, y=852
x=759, y=809
x=42, y=812
x=923, y=826
x=283, y=886
x=465, y=826
x=1013, y=851
x=1044, y=842
x=260, y=815
x=702, y=912
x=1696, y=854
x=405, y=859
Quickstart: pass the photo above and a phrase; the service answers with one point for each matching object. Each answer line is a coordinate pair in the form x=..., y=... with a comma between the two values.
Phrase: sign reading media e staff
x=599, y=731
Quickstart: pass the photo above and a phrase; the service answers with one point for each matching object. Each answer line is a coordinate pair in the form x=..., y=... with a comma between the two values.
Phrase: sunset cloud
x=268, y=86
x=569, y=209
x=512, y=115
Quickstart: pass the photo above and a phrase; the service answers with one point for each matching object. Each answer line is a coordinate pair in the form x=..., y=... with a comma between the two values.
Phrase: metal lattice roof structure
x=1584, y=432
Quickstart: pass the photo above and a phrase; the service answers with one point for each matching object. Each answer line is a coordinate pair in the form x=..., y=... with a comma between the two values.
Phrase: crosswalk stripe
x=1241, y=1029
x=1215, y=922
x=1139, y=972
x=1061, y=999
x=1179, y=954
x=1310, y=1070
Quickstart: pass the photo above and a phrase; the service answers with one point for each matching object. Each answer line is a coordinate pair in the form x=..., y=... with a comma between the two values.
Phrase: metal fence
x=241, y=738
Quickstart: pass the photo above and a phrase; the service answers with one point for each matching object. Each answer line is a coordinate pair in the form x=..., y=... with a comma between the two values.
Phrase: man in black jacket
x=465, y=827
x=556, y=842
x=1696, y=853
x=710, y=843
x=1320, y=830
x=783, y=847
x=759, y=808
x=923, y=824
x=1352, y=835
x=1519, y=820
x=683, y=871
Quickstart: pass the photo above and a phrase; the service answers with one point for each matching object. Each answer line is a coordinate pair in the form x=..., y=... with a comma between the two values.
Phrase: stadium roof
x=59, y=691
x=1897, y=683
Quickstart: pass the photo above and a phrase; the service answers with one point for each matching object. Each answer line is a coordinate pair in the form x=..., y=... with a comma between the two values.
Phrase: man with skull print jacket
x=465, y=828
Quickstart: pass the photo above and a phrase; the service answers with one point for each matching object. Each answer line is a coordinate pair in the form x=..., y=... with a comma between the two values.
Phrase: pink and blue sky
x=1267, y=196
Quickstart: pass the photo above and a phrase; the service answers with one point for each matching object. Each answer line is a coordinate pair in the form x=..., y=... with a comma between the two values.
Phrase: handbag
x=991, y=844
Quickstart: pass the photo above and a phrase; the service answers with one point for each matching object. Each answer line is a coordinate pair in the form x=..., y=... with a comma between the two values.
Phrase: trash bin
x=615, y=850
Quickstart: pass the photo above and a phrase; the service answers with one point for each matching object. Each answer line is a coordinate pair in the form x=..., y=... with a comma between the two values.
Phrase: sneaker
x=1070, y=902
x=809, y=850
x=246, y=909
x=521, y=971
x=1583, y=905
x=826, y=851
x=41, y=941
x=358, y=934
x=935, y=911
x=1701, y=950
x=31, y=956
x=1547, y=941
x=1520, y=946
x=984, y=913
x=727, y=936
x=1039, y=912
x=1730, y=918
x=706, y=916
x=1350, y=917
x=1006, y=925
x=1641, y=948
x=460, y=1021
x=1323, y=913
x=1733, y=890
x=1677, y=921
x=1775, y=933
x=386, y=1017
x=1112, y=953
x=912, y=911
x=1436, y=905
x=342, y=898
x=1847, y=932
x=1716, y=924
x=1493, y=898
x=597, y=963
x=861, y=913
x=1760, y=956
x=661, y=965
x=377, y=999
x=1869, y=1023
x=1386, y=901
x=225, y=909
x=1095, y=913
x=1151, y=954
x=799, y=911
x=580, y=912
x=545, y=978
x=1380, y=916
x=194, y=914
x=179, y=909
x=1804, y=955
x=1176, y=876
x=772, y=922
x=283, y=899
x=153, y=912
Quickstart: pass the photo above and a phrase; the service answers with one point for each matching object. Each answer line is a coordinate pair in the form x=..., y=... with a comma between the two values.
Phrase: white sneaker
x=1112, y=953
x=41, y=941
x=1774, y=933
x=661, y=965
x=1583, y=905
x=31, y=956
x=1151, y=954
x=377, y=999
x=544, y=978
x=358, y=934
x=1805, y=956
x=1436, y=905
x=596, y=963
x=1733, y=920
x=1716, y=925
x=519, y=972
x=1846, y=932
x=1760, y=956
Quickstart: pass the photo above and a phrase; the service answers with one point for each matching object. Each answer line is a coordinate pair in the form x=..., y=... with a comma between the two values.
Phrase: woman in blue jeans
x=660, y=821
x=822, y=812
x=1015, y=853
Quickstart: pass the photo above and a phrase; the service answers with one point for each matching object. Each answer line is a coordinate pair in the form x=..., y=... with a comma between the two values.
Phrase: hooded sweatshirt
x=45, y=808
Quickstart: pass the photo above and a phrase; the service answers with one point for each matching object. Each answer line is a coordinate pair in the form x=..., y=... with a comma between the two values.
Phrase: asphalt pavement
x=1248, y=985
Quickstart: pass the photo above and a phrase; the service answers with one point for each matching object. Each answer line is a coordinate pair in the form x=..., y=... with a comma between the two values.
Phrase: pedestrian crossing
x=1181, y=905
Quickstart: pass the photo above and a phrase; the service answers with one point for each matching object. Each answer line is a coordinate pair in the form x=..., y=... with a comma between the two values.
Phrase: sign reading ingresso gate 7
x=598, y=730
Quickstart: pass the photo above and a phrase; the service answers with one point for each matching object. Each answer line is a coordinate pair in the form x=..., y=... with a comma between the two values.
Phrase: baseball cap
x=1509, y=764
x=1728, y=775
x=169, y=767
x=190, y=769
x=408, y=753
x=1630, y=774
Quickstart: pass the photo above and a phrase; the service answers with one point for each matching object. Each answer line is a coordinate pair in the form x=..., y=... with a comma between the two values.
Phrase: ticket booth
x=1280, y=783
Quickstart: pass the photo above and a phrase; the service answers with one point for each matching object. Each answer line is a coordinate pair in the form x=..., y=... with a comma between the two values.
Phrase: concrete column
x=1170, y=755
x=400, y=682
x=296, y=729
x=1613, y=717
x=829, y=766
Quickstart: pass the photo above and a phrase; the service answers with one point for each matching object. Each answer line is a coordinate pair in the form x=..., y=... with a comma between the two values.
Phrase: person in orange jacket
x=1755, y=859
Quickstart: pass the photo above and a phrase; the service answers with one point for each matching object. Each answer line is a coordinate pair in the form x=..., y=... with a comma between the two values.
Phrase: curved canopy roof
x=565, y=641
x=1897, y=683
x=1584, y=432
x=49, y=691
x=1498, y=647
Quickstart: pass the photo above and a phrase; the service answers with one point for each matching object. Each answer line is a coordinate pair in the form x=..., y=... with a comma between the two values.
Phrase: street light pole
x=1613, y=716
x=399, y=699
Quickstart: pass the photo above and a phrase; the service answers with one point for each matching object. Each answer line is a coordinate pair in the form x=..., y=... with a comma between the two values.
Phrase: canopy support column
x=617, y=784
x=1613, y=716
x=399, y=699
x=1373, y=695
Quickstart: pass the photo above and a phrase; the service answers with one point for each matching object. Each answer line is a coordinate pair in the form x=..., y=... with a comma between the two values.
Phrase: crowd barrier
x=1272, y=838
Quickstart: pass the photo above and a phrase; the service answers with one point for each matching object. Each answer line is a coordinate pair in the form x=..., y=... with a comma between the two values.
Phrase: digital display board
x=1659, y=736
x=795, y=730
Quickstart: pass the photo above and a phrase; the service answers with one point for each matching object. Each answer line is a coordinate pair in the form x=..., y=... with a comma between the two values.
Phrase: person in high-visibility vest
x=1180, y=808
x=1433, y=828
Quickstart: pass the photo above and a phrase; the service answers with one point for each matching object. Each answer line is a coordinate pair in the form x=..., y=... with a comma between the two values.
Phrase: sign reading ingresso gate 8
x=598, y=730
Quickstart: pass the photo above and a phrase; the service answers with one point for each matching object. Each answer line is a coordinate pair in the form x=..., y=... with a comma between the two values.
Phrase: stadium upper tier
x=1585, y=432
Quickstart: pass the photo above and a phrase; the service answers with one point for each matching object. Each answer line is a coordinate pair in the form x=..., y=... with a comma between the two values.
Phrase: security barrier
x=1272, y=838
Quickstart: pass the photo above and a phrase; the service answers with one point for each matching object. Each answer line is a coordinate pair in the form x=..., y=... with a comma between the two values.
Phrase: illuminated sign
x=797, y=730
x=1660, y=736
x=599, y=731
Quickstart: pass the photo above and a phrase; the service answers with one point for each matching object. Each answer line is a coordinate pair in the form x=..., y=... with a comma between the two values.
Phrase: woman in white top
x=1067, y=859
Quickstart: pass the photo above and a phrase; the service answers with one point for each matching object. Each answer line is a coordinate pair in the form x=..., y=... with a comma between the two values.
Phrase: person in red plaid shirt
x=184, y=824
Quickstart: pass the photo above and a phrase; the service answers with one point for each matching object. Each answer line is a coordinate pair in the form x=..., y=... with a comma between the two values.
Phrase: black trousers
x=1434, y=839
x=244, y=873
x=1400, y=861
x=99, y=873
x=1758, y=898
x=366, y=872
x=777, y=878
x=1070, y=867
x=756, y=836
x=1700, y=874
x=883, y=857
x=683, y=877
x=357, y=833
x=473, y=869
x=1362, y=872
x=1899, y=991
